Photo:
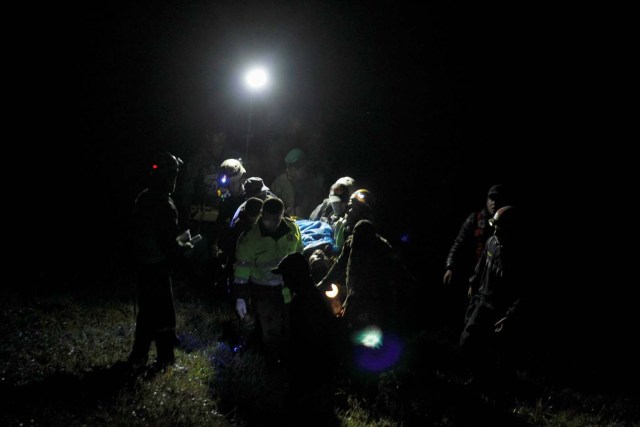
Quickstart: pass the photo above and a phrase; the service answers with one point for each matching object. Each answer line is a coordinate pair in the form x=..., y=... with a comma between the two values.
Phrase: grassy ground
x=61, y=364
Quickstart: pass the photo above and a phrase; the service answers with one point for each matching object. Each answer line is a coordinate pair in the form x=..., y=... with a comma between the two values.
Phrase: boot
x=165, y=344
x=139, y=356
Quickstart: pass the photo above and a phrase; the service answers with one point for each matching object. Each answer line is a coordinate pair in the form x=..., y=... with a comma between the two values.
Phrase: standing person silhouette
x=155, y=246
x=466, y=250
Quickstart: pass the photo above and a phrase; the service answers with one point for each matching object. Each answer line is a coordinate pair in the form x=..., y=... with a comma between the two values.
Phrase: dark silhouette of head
x=506, y=223
x=497, y=197
x=272, y=213
x=294, y=269
x=163, y=171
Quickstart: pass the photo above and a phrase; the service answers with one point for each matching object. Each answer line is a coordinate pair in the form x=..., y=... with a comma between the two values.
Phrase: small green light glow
x=369, y=337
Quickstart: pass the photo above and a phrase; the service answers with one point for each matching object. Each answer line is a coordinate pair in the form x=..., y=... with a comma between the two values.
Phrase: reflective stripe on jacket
x=257, y=255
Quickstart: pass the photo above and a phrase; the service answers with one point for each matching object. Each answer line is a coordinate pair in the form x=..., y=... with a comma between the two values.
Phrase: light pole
x=255, y=79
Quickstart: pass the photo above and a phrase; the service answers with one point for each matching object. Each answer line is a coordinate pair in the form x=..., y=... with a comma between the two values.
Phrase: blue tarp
x=316, y=234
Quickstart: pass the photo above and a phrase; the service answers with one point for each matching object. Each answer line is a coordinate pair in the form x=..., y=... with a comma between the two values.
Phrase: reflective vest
x=257, y=255
x=338, y=233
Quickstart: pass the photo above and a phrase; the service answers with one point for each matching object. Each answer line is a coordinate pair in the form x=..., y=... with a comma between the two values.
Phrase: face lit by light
x=294, y=172
x=270, y=221
x=491, y=205
x=235, y=186
x=339, y=208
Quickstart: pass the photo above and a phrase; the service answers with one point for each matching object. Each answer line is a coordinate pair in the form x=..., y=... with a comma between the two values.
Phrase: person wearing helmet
x=466, y=250
x=366, y=281
x=474, y=232
x=504, y=224
x=253, y=187
x=197, y=199
x=495, y=313
x=231, y=191
x=231, y=178
x=335, y=206
x=299, y=188
x=228, y=195
x=246, y=215
x=198, y=202
x=259, y=293
x=359, y=207
x=372, y=276
x=155, y=247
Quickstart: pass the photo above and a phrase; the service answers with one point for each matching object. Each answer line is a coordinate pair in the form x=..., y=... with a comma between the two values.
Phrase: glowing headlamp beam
x=333, y=292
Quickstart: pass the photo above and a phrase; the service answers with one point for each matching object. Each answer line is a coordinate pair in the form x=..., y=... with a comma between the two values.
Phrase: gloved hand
x=241, y=307
x=184, y=237
x=184, y=242
x=185, y=245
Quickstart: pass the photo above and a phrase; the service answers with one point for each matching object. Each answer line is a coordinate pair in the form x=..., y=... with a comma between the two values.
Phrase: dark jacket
x=370, y=273
x=469, y=244
x=312, y=327
x=323, y=212
x=500, y=279
x=154, y=228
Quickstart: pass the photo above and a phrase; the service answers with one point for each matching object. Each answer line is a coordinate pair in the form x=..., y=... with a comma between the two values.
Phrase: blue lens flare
x=371, y=336
x=375, y=351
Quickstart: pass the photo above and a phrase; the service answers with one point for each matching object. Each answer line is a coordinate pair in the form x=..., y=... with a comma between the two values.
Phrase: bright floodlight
x=256, y=78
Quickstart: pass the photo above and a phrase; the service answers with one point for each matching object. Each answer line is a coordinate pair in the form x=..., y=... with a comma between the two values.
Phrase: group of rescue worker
x=252, y=240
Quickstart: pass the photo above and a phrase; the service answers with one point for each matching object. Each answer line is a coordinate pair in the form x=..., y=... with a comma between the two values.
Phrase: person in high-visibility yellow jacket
x=260, y=294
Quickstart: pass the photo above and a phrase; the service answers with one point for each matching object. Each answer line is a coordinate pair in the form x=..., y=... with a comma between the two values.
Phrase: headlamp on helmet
x=230, y=169
x=504, y=217
x=363, y=197
x=165, y=163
